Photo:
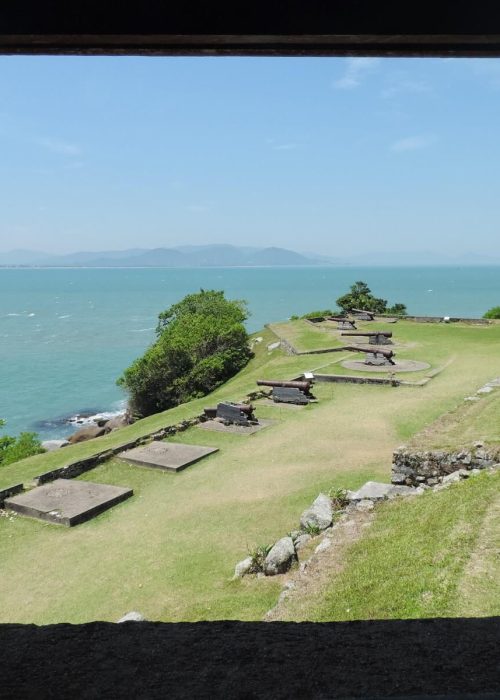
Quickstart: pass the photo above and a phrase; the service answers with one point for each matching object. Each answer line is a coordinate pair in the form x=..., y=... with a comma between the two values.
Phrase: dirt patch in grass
x=310, y=580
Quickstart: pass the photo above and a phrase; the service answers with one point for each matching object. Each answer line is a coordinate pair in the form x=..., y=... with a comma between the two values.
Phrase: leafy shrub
x=258, y=556
x=311, y=529
x=361, y=297
x=201, y=343
x=493, y=313
x=12, y=449
x=338, y=498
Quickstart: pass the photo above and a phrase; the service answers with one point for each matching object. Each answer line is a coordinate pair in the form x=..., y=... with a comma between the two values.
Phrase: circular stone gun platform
x=67, y=502
x=169, y=456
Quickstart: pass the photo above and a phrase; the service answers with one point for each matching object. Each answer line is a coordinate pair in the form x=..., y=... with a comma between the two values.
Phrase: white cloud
x=355, y=72
x=61, y=147
x=405, y=86
x=413, y=143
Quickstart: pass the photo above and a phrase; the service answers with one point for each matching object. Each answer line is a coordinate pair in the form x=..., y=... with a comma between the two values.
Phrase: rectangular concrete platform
x=219, y=426
x=169, y=456
x=67, y=502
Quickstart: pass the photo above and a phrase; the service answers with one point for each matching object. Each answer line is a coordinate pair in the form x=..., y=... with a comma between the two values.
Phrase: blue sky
x=335, y=156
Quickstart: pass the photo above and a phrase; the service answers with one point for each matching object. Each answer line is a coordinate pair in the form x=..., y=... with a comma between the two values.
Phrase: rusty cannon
x=343, y=324
x=232, y=413
x=374, y=357
x=297, y=392
x=363, y=314
x=374, y=337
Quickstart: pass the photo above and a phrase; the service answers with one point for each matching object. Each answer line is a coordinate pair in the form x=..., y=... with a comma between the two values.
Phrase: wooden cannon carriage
x=343, y=324
x=232, y=413
x=374, y=357
x=363, y=314
x=374, y=337
x=298, y=392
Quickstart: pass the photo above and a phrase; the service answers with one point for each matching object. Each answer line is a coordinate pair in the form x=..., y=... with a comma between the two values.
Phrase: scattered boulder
x=87, y=434
x=320, y=514
x=376, y=491
x=51, y=445
x=132, y=617
x=117, y=422
x=280, y=558
x=302, y=540
x=485, y=390
x=242, y=567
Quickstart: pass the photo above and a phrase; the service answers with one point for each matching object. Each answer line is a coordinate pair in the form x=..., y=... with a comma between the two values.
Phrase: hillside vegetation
x=170, y=551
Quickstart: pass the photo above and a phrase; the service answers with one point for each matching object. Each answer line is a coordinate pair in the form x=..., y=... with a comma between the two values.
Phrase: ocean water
x=67, y=334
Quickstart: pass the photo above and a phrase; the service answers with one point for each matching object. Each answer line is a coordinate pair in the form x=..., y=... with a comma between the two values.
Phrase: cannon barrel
x=371, y=334
x=303, y=386
x=371, y=350
x=245, y=408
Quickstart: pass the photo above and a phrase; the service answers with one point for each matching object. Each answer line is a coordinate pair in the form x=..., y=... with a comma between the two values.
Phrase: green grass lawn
x=170, y=550
x=410, y=562
x=305, y=336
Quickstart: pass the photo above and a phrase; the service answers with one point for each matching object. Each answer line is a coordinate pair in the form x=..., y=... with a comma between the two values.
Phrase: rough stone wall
x=429, y=467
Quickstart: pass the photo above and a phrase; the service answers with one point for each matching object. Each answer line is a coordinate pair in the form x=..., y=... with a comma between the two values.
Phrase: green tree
x=493, y=313
x=360, y=297
x=12, y=449
x=201, y=343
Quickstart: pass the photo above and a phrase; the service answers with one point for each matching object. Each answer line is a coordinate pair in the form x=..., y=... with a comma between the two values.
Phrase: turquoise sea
x=67, y=334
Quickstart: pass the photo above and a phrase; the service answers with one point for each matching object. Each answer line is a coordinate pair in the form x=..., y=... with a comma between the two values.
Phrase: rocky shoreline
x=93, y=426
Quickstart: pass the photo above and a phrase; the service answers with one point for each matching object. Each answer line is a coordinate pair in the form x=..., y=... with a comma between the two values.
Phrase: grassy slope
x=170, y=550
x=410, y=563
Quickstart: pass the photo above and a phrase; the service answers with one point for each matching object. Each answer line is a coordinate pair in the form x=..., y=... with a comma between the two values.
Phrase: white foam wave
x=66, y=316
x=31, y=315
x=92, y=420
x=141, y=330
x=13, y=314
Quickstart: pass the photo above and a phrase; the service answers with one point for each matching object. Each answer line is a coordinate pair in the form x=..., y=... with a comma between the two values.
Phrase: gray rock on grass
x=456, y=476
x=133, y=616
x=242, y=567
x=319, y=515
x=280, y=558
x=302, y=540
x=376, y=491
x=51, y=445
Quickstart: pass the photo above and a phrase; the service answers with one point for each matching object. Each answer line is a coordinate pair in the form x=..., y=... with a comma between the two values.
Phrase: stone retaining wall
x=10, y=491
x=74, y=469
x=430, y=466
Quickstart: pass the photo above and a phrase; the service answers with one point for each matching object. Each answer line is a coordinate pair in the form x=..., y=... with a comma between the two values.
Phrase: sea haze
x=67, y=334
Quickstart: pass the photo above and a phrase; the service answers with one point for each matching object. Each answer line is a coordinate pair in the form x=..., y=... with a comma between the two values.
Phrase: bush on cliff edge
x=201, y=343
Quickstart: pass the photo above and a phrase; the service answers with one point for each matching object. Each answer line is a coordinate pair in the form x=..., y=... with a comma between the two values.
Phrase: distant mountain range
x=233, y=256
x=185, y=256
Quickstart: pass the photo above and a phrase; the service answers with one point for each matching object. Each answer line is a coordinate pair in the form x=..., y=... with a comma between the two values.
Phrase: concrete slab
x=400, y=366
x=219, y=427
x=169, y=456
x=67, y=502
x=282, y=404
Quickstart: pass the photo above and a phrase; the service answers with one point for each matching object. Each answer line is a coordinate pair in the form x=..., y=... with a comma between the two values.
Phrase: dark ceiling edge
x=248, y=45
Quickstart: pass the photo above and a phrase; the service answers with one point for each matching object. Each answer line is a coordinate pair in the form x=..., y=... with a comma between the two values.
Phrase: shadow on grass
x=431, y=658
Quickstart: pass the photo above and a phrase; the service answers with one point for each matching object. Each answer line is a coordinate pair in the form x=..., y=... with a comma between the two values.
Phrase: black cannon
x=374, y=337
x=343, y=324
x=232, y=413
x=298, y=392
x=363, y=315
x=375, y=357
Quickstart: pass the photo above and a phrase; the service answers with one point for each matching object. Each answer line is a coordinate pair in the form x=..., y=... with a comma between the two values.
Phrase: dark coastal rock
x=87, y=434
x=117, y=422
